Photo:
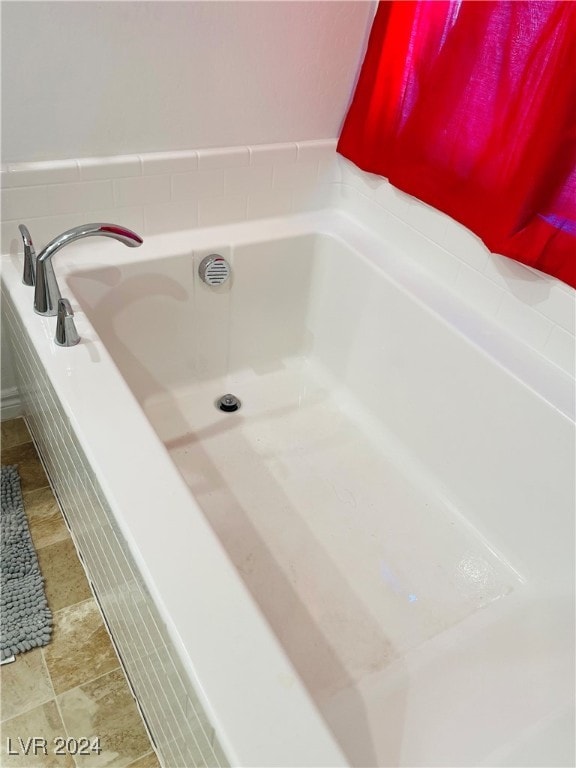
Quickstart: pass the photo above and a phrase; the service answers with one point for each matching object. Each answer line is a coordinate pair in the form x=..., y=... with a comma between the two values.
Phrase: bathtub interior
x=369, y=492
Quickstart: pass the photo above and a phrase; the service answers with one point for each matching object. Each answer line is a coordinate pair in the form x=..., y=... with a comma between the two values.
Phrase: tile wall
x=166, y=191
x=159, y=192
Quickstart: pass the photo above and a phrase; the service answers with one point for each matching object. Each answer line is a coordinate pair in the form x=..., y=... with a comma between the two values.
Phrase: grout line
x=146, y=754
x=84, y=682
x=55, y=699
x=3, y=721
x=92, y=680
x=37, y=518
x=15, y=445
x=75, y=605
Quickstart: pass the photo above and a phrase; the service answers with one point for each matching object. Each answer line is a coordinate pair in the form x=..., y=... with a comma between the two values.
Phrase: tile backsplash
x=160, y=192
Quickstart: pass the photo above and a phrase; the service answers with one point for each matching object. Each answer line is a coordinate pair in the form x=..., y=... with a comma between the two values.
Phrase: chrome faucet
x=29, y=274
x=66, y=333
x=47, y=292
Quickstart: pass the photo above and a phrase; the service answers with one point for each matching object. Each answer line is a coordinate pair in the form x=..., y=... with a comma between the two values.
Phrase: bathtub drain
x=228, y=403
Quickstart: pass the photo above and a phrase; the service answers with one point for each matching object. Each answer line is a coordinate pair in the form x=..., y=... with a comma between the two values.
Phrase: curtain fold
x=471, y=107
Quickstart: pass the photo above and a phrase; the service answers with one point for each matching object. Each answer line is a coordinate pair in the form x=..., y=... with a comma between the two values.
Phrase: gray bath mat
x=25, y=619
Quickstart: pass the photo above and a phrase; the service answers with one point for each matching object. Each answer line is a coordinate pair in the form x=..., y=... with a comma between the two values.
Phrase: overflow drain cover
x=228, y=403
x=214, y=269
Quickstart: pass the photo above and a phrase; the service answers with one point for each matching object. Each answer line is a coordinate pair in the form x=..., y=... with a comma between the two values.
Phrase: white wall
x=82, y=79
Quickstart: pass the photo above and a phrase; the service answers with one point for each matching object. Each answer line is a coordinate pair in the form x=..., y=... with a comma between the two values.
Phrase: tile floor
x=74, y=687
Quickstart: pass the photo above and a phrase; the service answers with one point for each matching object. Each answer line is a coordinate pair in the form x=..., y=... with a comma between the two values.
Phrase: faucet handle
x=66, y=333
x=29, y=275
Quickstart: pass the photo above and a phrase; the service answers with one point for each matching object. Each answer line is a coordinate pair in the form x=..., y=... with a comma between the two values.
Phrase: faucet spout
x=47, y=292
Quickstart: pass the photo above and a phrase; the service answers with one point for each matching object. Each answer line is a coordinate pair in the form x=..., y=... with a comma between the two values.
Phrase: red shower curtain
x=470, y=106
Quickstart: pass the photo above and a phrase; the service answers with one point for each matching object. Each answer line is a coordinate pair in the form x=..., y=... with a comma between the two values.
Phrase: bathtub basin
x=372, y=561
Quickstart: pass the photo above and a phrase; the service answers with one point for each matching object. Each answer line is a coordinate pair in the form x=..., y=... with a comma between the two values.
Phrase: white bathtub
x=372, y=561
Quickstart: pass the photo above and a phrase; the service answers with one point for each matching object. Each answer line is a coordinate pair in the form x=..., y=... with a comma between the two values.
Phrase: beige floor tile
x=45, y=520
x=80, y=653
x=14, y=432
x=42, y=722
x=31, y=471
x=24, y=684
x=81, y=649
x=104, y=708
x=66, y=582
x=148, y=761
